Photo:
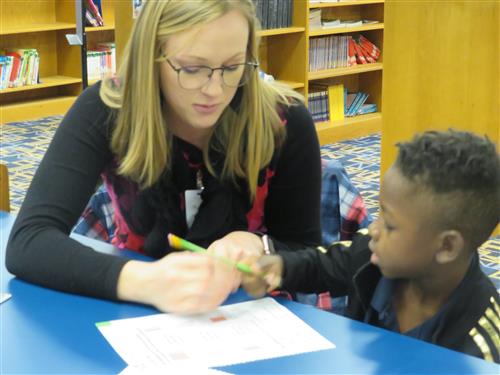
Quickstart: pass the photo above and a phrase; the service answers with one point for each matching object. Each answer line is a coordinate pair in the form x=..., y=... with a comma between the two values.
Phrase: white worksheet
x=4, y=297
x=232, y=334
x=162, y=370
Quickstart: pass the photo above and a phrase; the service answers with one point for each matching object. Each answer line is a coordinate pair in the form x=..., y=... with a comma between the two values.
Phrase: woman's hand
x=236, y=246
x=184, y=283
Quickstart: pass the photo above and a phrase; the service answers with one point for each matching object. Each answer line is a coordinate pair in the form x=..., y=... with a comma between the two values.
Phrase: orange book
x=369, y=59
x=369, y=47
x=352, y=52
x=360, y=56
x=16, y=65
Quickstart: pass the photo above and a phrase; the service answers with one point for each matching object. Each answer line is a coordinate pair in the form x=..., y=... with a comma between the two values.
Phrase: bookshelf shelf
x=285, y=30
x=360, y=78
x=293, y=85
x=36, y=108
x=344, y=3
x=338, y=72
x=41, y=27
x=350, y=127
x=92, y=81
x=343, y=30
x=45, y=82
x=99, y=28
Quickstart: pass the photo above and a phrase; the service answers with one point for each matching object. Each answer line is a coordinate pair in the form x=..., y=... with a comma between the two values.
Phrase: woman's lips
x=206, y=108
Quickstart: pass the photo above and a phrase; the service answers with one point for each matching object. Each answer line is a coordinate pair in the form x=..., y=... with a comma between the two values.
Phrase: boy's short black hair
x=462, y=172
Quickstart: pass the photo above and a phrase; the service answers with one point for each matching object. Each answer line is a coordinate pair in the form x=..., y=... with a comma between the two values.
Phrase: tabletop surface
x=46, y=331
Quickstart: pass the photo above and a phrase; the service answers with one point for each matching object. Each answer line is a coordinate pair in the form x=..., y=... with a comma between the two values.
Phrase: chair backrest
x=343, y=211
x=4, y=189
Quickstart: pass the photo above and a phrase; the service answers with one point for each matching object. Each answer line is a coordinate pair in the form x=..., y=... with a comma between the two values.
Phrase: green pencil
x=182, y=244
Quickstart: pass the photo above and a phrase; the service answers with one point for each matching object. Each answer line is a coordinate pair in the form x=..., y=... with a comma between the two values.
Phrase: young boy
x=417, y=272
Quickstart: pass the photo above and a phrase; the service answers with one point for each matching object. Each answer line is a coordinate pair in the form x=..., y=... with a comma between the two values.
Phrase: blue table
x=46, y=331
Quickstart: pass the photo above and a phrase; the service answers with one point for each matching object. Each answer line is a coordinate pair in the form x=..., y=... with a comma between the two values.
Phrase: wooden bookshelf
x=294, y=85
x=50, y=81
x=357, y=69
x=345, y=30
x=284, y=30
x=43, y=25
x=332, y=4
x=366, y=78
x=350, y=127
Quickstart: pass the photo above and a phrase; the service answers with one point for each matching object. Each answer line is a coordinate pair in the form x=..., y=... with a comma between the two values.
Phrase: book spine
x=95, y=12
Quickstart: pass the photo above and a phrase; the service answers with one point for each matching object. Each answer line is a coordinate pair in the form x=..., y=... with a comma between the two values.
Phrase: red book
x=369, y=47
x=95, y=12
x=16, y=65
x=360, y=56
x=352, y=52
x=369, y=59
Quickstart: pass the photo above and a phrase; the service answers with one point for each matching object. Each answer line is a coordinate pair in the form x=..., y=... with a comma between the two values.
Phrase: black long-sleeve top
x=465, y=323
x=40, y=250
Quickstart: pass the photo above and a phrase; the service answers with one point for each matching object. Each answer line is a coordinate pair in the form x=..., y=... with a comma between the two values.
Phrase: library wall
x=441, y=70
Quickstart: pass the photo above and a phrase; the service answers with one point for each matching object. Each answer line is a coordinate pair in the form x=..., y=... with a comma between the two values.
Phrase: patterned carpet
x=23, y=144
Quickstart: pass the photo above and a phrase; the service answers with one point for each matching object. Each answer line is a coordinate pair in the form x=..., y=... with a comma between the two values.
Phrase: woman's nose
x=215, y=85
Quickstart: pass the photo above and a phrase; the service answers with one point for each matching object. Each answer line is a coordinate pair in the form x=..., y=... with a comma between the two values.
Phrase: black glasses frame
x=212, y=70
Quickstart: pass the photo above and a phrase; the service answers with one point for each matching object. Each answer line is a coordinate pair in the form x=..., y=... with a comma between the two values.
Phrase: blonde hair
x=142, y=141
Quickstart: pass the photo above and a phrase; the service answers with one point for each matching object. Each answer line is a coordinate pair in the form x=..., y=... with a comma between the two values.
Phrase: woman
x=187, y=140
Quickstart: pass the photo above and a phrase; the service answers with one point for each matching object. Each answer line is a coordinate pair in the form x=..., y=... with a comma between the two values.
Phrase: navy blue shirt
x=382, y=310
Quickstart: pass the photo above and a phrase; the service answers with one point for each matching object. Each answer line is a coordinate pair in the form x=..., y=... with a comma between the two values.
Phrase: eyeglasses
x=196, y=76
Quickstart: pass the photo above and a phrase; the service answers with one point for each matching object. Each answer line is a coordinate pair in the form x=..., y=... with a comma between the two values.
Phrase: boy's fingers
x=254, y=286
x=266, y=275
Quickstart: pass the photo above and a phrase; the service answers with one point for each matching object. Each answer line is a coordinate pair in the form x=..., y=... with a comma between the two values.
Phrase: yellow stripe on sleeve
x=481, y=344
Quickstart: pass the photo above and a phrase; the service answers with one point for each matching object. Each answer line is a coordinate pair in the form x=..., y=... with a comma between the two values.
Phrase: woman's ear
x=451, y=246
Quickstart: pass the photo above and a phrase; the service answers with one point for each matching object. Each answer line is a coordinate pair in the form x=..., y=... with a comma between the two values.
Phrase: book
x=95, y=12
x=360, y=57
x=352, y=52
x=90, y=19
x=315, y=19
x=330, y=23
x=369, y=47
x=367, y=108
x=16, y=68
x=336, y=102
x=357, y=103
x=352, y=23
x=349, y=99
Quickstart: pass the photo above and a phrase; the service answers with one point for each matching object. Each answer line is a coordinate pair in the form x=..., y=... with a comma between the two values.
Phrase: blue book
x=358, y=102
x=351, y=111
x=367, y=108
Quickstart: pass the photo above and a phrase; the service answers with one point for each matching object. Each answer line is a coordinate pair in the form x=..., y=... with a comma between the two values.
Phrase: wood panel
x=450, y=80
x=123, y=26
x=44, y=42
x=4, y=189
x=32, y=110
x=450, y=75
x=15, y=13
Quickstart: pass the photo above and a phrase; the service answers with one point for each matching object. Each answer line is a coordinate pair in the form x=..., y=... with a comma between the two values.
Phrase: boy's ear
x=451, y=246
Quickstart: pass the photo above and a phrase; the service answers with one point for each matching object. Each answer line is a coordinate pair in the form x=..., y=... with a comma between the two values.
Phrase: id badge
x=193, y=200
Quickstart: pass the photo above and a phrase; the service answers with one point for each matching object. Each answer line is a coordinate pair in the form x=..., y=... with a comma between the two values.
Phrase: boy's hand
x=267, y=274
